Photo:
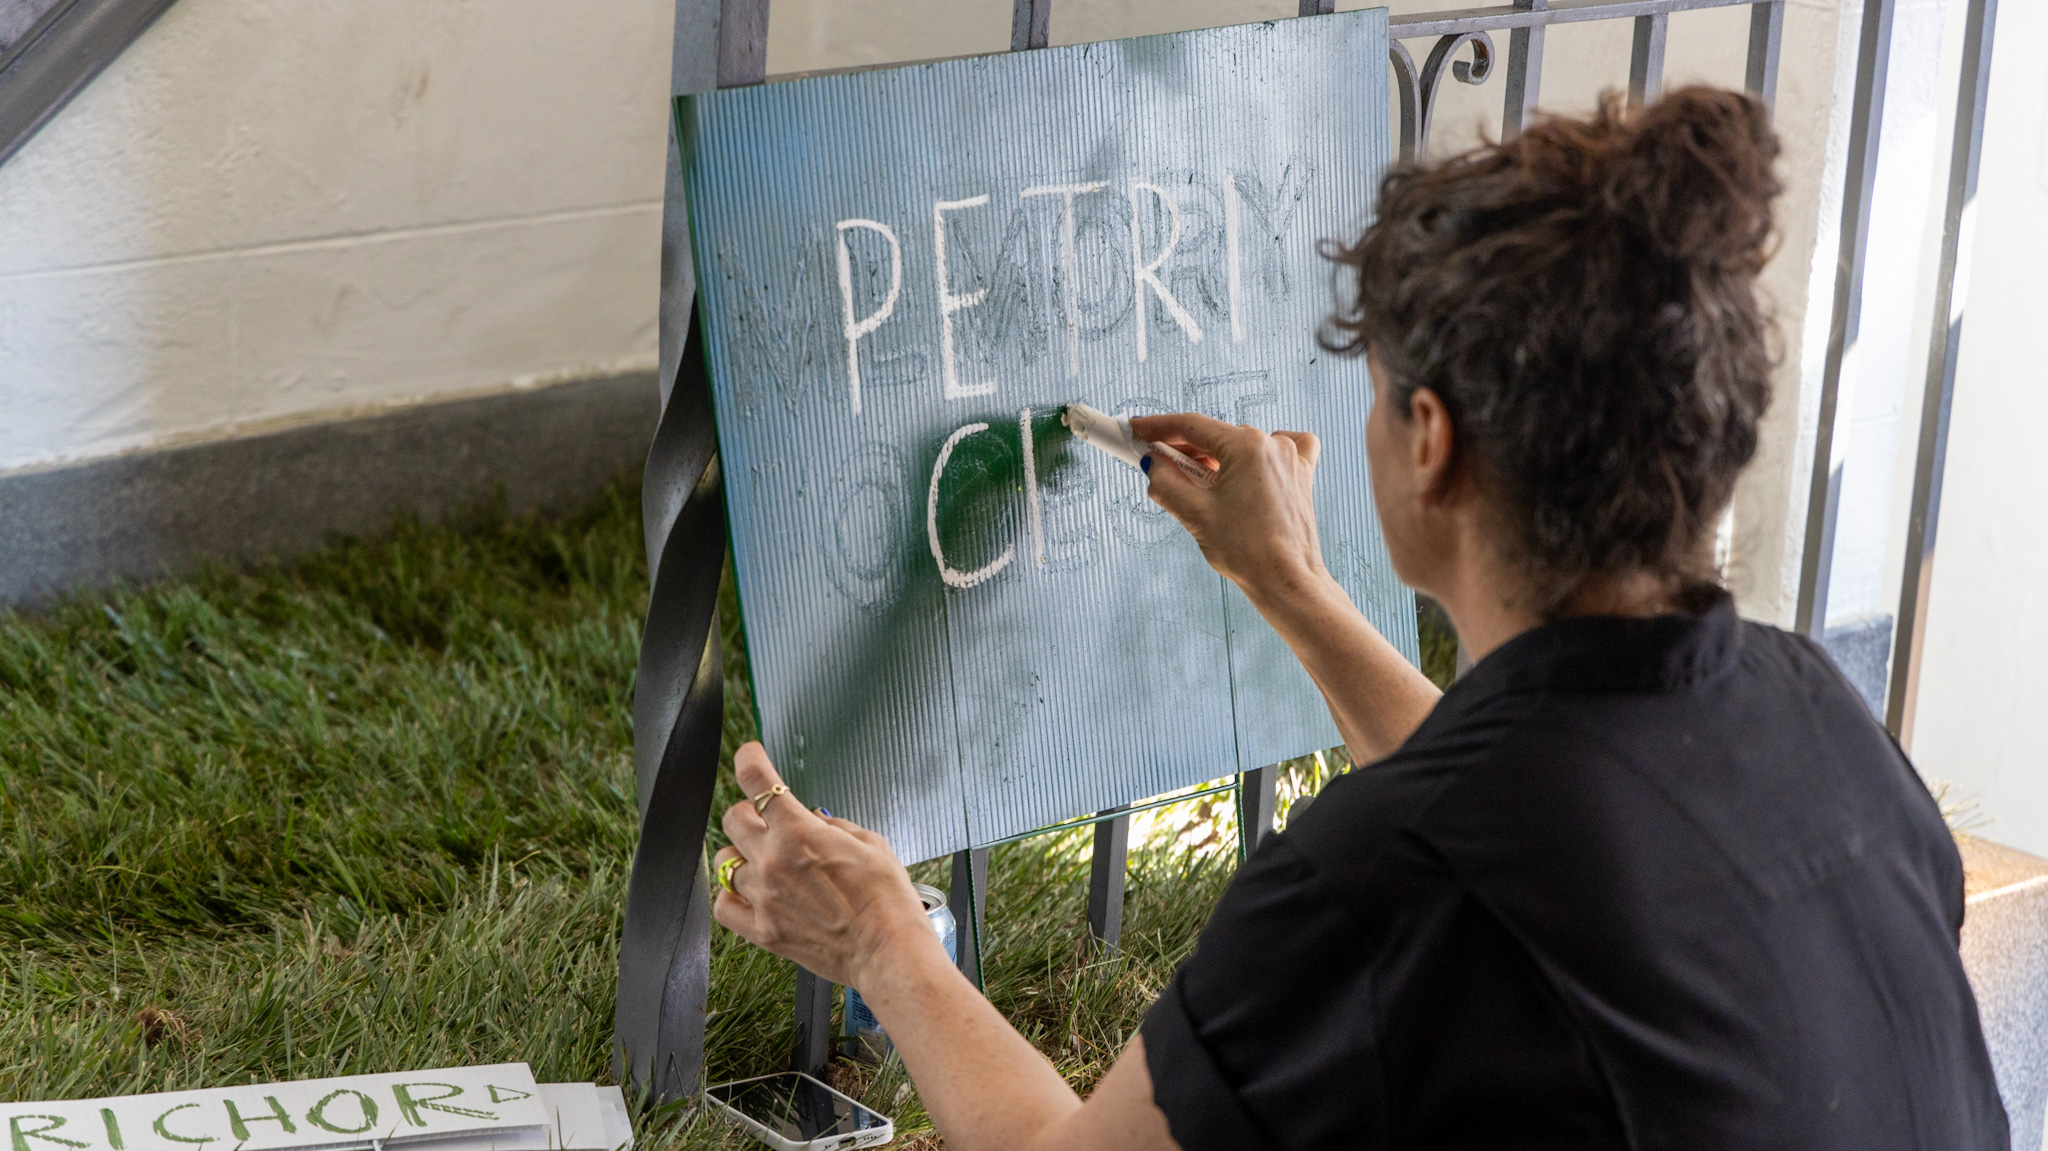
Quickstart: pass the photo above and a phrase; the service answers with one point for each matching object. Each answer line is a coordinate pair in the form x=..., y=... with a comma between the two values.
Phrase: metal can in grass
x=866, y=1033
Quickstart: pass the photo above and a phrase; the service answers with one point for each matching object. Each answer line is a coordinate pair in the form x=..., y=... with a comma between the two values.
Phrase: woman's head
x=1579, y=304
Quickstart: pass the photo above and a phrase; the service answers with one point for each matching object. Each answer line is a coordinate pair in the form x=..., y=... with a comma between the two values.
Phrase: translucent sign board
x=963, y=624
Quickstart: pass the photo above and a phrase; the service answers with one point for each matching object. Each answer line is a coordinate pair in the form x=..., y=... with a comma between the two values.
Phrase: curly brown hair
x=1582, y=297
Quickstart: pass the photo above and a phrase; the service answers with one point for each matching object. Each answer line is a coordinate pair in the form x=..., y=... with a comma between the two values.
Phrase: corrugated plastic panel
x=910, y=268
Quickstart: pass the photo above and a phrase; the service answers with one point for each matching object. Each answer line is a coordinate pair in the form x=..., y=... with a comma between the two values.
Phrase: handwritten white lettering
x=950, y=303
x=953, y=576
x=1031, y=512
x=1145, y=273
x=865, y=325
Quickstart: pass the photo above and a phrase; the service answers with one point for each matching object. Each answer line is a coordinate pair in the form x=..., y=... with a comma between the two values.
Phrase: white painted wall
x=1984, y=688
x=271, y=210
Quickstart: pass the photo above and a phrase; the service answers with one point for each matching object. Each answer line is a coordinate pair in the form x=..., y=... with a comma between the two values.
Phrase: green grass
x=373, y=809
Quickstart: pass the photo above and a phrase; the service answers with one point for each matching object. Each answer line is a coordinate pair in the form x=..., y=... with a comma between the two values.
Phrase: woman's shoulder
x=1723, y=787
x=1372, y=826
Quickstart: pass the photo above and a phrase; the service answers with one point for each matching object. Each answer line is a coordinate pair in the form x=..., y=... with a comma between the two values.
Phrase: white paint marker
x=1113, y=434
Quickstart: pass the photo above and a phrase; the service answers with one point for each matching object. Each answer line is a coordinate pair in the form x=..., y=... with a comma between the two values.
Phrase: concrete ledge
x=150, y=514
x=2005, y=952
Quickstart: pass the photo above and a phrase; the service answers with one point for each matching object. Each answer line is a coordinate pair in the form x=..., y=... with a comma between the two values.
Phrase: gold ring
x=762, y=800
x=726, y=869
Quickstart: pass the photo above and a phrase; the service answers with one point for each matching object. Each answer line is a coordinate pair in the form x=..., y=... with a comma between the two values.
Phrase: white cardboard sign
x=348, y=1111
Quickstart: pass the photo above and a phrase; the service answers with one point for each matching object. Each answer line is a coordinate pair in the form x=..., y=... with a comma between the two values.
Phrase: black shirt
x=1633, y=883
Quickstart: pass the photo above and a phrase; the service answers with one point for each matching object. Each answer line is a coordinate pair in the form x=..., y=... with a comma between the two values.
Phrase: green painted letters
x=113, y=1129
x=318, y=1115
x=22, y=1137
x=240, y=1126
x=166, y=1132
x=410, y=1104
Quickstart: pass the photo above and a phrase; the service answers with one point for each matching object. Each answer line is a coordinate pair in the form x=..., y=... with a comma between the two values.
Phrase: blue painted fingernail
x=826, y=812
x=1145, y=465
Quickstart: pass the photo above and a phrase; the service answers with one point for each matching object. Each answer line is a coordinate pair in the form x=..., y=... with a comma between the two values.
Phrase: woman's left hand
x=822, y=891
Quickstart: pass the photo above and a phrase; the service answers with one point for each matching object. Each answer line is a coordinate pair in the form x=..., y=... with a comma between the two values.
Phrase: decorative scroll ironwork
x=1418, y=89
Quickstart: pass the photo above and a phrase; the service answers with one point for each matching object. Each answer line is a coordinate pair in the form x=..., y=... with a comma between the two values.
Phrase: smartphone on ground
x=794, y=1112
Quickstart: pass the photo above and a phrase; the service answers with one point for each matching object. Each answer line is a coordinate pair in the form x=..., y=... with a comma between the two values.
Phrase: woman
x=1648, y=876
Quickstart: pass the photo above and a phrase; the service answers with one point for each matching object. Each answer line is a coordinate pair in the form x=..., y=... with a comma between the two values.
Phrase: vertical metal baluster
x=1873, y=63
x=678, y=704
x=813, y=1048
x=1255, y=790
x=1957, y=234
x=1106, y=880
x=1030, y=24
x=742, y=42
x=967, y=901
x=1525, y=73
x=1646, y=60
x=1766, y=32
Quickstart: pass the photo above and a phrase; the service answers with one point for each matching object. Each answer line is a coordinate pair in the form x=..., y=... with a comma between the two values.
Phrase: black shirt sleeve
x=1264, y=1039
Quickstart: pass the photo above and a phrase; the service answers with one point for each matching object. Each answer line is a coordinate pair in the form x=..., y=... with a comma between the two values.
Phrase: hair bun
x=1695, y=169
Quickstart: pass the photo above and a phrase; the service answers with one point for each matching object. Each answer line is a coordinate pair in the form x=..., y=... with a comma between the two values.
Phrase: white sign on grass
x=349, y=1111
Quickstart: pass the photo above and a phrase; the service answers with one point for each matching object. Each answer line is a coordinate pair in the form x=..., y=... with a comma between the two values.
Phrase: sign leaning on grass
x=351, y=1111
x=961, y=626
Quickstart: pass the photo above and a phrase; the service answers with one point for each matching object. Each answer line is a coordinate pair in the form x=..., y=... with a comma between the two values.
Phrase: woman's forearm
x=985, y=1086
x=830, y=894
x=1376, y=696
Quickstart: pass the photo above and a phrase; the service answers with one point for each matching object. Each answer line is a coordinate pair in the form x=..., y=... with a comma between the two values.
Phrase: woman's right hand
x=1257, y=524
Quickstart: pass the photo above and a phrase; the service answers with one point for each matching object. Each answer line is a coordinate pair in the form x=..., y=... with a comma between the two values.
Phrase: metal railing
x=68, y=45
x=663, y=977
x=1909, y=631
x=1526, y=22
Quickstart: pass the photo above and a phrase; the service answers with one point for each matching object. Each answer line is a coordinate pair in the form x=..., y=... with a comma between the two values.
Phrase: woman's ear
x=1432, y=445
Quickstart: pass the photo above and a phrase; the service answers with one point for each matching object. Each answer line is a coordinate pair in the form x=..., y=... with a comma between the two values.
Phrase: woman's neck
x=1488, y=605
